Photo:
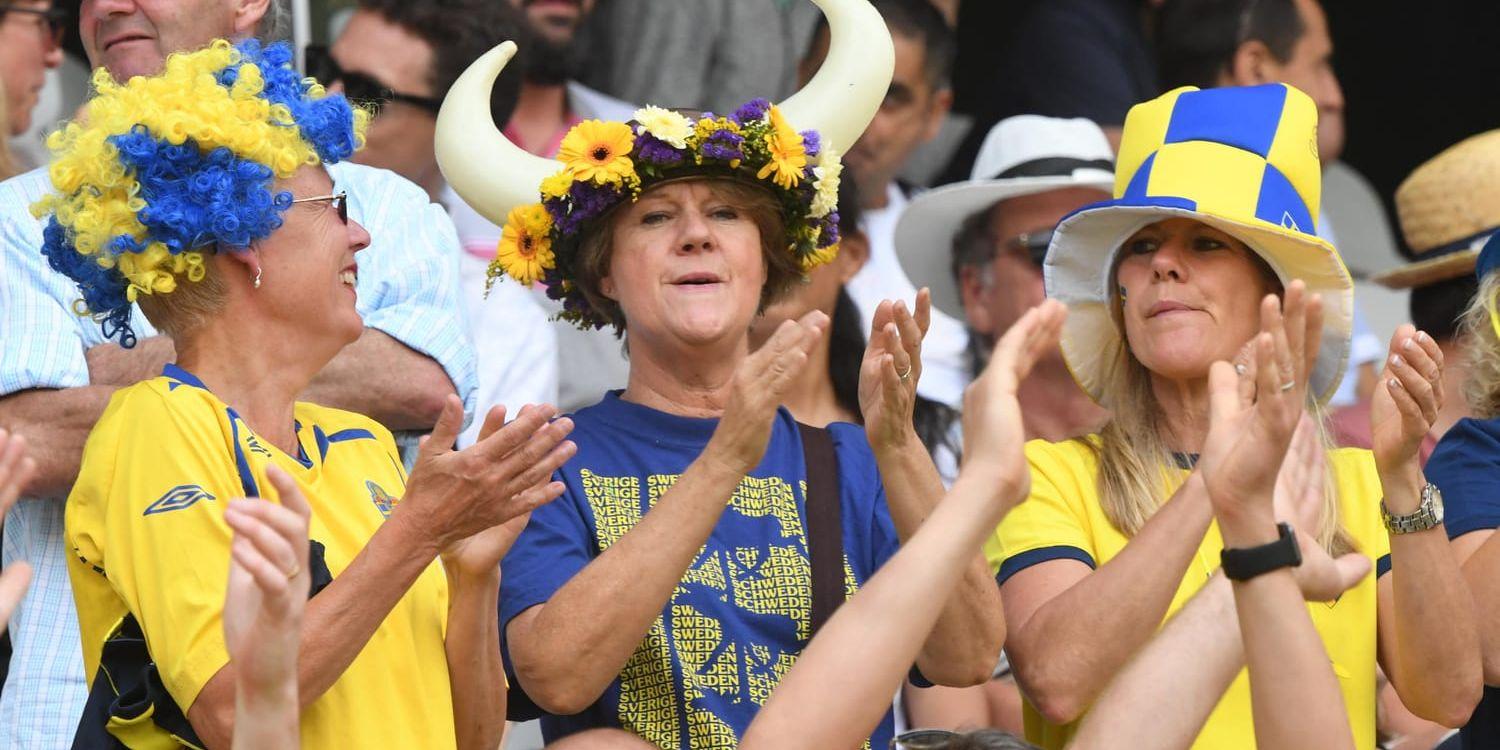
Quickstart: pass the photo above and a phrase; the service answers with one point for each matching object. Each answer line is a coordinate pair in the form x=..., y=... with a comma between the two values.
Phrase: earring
x=257, y=277
x=1122, y=291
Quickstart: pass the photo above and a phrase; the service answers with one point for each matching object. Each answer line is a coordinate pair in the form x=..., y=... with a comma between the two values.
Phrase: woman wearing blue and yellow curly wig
x=703, y=535
x=201, y=195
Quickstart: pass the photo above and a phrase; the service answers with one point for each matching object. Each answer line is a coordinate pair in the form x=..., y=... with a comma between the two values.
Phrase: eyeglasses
x=360, y=87
x=340, y=202
x=1035, y=244
x=53, y=19
x=922, y=739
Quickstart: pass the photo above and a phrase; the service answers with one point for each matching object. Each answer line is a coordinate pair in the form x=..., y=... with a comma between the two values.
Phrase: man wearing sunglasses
x=57, y=373
x=980, y=245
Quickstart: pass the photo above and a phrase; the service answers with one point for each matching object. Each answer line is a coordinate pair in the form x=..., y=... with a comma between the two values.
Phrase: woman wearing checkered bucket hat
x=1208, y=254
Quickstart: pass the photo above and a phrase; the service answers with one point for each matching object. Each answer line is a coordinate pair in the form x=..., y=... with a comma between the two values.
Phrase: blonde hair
x=7, y=160
x=1477, y=329
x=1135, y=460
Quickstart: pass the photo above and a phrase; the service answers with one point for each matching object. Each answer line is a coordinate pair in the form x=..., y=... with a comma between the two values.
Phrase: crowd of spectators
x=983, y=379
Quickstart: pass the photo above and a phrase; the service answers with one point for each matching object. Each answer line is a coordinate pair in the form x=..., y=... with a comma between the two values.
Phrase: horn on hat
x=494, y=175
x=488, y=171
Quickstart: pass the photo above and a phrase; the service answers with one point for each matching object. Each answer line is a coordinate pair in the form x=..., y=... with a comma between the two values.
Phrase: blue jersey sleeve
x=1466, y=468
x=556, y=544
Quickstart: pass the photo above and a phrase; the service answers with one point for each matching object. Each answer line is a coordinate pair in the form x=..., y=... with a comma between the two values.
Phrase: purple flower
x=751, y=111
x=653, y=150
x=812, y=143
x=830, y=235
x=724, y=145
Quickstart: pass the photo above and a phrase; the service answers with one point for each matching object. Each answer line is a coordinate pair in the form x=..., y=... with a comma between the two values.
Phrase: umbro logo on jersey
x=177, y=498
x=384, y=501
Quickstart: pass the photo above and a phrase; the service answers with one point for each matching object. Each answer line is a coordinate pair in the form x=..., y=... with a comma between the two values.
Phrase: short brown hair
x=596, y=250
x=190, y=305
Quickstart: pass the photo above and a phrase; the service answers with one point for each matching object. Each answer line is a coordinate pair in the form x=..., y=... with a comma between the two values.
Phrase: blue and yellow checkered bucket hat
x=1242, y=160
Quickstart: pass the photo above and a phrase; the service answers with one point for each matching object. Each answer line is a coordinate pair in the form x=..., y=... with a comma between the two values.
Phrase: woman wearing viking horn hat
x=674, y=582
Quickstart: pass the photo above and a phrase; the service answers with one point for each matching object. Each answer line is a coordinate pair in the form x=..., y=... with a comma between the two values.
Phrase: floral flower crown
x=607, y=163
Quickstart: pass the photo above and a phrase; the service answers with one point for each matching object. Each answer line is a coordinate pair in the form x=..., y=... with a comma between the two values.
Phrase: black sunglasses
x=339, y=200
x=361, y=88
x=1034, y=243
x=57, y=19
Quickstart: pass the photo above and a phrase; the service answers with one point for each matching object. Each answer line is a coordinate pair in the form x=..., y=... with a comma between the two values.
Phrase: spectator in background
x=979, y=246
x=1211, y=43
x=911, y=114
x=57, y=372
x=404, y=56
x=1448, y=208
x=552, y=101
x=1059, y=58
x=711, y=55
x=30, y=43
x=1466, y=467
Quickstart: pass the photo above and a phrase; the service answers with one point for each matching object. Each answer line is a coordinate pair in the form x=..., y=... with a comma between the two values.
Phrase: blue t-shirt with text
x=740, y=616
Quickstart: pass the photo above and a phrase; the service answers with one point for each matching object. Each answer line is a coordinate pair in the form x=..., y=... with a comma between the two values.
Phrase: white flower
x=665, y=125
x=826, y=182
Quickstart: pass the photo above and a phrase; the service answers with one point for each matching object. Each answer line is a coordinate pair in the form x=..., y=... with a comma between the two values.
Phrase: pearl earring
x=257, y=278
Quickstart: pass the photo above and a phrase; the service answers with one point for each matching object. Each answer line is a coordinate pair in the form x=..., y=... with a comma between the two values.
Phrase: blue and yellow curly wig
x=162, y=169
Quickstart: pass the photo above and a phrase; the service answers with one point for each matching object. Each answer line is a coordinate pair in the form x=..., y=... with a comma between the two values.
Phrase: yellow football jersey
x=145, y=521
x=1062, y=519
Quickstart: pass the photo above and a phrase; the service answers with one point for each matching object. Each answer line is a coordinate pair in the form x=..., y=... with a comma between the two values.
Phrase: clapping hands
x=994, y=435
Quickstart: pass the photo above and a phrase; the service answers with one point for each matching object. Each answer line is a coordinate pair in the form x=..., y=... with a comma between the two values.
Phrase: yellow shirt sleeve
x=1052, y=523
x=156, y=478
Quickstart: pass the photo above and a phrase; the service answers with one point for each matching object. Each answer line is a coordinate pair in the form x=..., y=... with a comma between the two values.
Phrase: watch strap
x=1428, y=514
x=1249, y=562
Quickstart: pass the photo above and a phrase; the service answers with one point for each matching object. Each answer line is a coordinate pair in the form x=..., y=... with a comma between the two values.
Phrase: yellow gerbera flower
x=788, y=155
x=819, y=257
x=599, y=152
x=557, y=185
x=525, y=250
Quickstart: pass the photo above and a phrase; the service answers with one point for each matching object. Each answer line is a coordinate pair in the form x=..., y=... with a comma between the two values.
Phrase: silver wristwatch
x=1426, y=516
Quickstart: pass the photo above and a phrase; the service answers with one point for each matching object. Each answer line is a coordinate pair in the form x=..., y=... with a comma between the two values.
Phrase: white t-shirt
x=514, y=342
x=945, y=372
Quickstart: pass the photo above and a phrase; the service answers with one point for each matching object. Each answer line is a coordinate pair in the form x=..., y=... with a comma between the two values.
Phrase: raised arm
x=451, y=496
x=841, y=685
x=263, y=617
x=1429, y=642
x=567, y=650
x=965, y=643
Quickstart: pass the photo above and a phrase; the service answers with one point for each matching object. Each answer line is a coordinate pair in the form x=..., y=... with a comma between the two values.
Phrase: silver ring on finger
x=1288, y=385
x=905, y=376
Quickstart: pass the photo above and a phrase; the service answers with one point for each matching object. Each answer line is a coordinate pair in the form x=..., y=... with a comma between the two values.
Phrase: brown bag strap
x=825, y=528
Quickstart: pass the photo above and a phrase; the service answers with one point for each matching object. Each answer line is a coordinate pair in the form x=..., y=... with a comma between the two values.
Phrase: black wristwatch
x=1244, y=564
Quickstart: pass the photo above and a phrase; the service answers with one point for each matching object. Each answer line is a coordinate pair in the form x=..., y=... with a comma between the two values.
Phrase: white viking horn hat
x=494, y=175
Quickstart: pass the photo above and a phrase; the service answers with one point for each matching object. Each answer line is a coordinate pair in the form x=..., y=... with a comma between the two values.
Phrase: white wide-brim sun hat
x=1241, y=160
x=1022, y=155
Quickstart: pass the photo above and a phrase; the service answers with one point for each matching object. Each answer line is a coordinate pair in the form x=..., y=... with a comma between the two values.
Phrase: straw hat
x=1448, y=208
x=1242, y=160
